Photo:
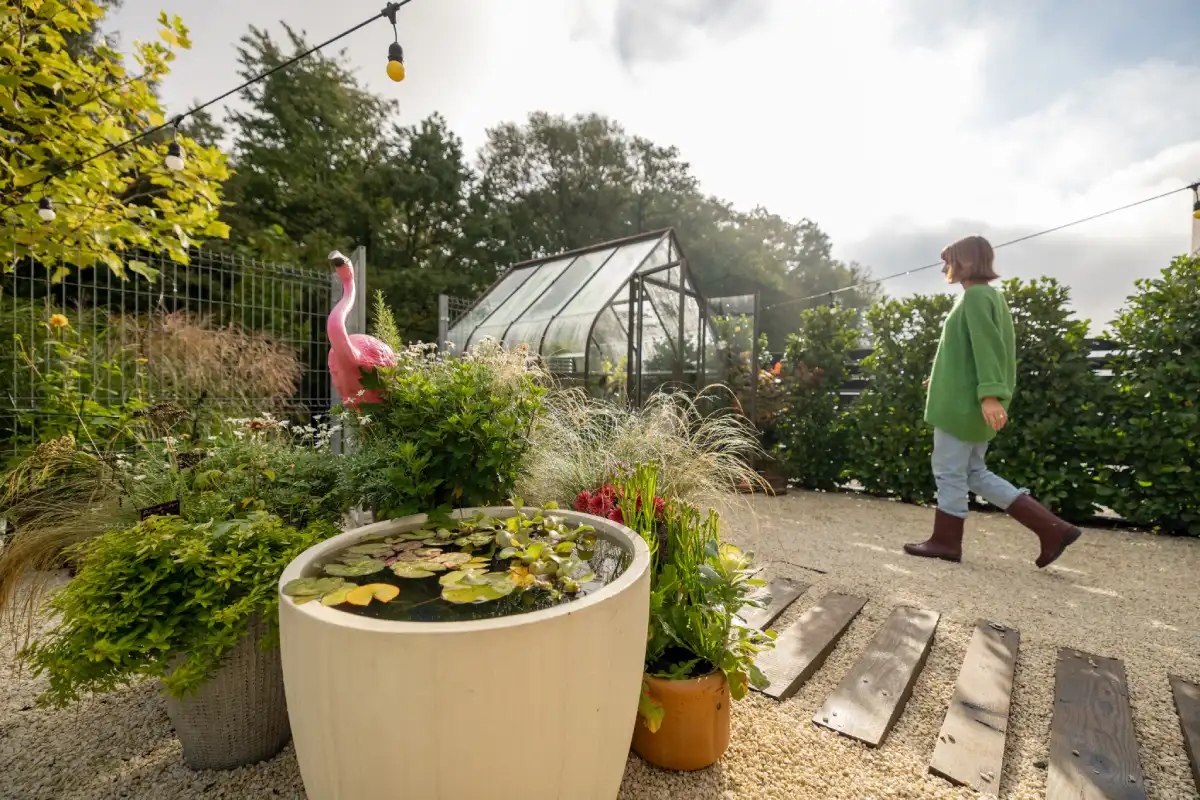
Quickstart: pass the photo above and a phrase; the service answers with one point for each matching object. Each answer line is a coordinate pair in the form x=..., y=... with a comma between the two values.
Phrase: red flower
x=597, y=506
x=660, y=508
x=583, y=501
x=616, y=516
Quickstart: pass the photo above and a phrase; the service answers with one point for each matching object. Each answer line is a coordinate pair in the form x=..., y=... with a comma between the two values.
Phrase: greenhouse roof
x=560, y=305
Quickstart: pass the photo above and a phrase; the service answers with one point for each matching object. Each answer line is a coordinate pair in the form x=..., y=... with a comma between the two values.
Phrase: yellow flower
x=59, y=321
x=142, y=360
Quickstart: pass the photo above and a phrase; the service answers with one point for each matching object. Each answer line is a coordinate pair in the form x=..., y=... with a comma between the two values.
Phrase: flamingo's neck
x=336, y=327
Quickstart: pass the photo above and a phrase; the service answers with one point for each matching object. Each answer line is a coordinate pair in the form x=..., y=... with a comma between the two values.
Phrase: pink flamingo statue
x=350, y=353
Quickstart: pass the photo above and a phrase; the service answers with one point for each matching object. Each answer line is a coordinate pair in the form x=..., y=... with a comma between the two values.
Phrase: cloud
x=655, y=30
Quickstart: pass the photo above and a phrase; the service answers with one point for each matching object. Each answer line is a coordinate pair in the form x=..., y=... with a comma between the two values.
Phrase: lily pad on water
x=490, y=589
x=363, y=595
x=408, y=569
x=454, y=559
x=405, y=547
x=311, y=586
x=429, y=552
x=366, y=566
x=371, y=549
x=338, y=596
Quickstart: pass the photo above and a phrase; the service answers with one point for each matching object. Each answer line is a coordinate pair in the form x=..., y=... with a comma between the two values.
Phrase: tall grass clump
x=582, y=443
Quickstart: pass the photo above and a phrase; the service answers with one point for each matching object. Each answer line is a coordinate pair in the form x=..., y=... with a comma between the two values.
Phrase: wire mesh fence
x=222, y=334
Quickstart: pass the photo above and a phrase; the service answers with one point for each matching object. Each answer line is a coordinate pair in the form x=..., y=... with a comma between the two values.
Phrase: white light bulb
x=174, y=159
x=46, y=210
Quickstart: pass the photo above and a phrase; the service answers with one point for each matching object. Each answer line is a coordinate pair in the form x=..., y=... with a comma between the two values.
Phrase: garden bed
x=1123, y=594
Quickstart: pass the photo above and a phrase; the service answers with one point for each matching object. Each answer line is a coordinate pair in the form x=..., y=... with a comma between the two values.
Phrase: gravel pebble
x=1118, y=594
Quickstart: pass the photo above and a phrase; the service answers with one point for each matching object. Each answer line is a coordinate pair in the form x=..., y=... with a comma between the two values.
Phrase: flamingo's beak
x=336, y=259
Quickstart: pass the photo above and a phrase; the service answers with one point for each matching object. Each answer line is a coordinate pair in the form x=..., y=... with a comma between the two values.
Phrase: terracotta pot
x=695, y=728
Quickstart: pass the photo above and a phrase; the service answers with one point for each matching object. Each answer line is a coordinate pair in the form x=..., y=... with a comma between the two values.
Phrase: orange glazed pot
x=695, y=728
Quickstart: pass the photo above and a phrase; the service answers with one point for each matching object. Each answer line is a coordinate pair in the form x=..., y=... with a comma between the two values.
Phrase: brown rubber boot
x=946, y=542
x=1056, y=535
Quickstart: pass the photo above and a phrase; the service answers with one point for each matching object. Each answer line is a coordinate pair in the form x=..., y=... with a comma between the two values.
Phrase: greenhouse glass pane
x=516, y=304
x=573, y=280
x=609, y=279
x=661, y=255
x=691, y=335
x=666, y=304
x=658, y=363
x=529, y=328
x=611, y=339
x=462, y=329
x=567, y=335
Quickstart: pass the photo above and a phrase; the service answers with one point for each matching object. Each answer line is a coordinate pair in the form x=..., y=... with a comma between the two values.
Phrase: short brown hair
x=972, y=259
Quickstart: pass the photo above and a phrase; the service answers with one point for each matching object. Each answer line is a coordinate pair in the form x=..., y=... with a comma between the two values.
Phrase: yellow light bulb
x=395, y=71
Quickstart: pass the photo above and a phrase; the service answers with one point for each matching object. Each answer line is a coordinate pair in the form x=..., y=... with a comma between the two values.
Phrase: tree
x=58, y=107
x=302, y=152
x=439, y=230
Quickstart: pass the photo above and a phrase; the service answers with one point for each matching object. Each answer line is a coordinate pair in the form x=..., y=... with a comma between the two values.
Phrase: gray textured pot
x=239, y=716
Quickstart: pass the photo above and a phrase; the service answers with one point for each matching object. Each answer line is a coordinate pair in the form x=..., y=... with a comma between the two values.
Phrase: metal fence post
x=443, y=321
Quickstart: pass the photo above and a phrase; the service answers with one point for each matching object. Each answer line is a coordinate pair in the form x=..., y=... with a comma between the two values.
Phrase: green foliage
x=891, y=444
x=698, y=587
x=72, y=382
x=384, y=328
x=163, y=590
x=261, y=464
x=63, y=102
x=449, y=431
x=815, y=440
x=1155, y=416
x=1051, y=444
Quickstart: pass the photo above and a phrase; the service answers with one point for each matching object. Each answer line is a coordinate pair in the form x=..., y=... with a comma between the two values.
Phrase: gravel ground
x=1117, y=594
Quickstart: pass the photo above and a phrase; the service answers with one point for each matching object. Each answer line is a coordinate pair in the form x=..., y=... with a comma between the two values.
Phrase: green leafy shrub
x=1153, y=477
x=1050, y=444
x=164, y=590
x=448, y=431
x=891, y=444
x=815, y=442
x=256, y=464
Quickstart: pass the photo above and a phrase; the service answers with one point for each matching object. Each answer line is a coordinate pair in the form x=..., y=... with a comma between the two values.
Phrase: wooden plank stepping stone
x=870, y=698
x=1093, y=752
x=1187, y=703
x=970, y=746
x=801, y=649
x=783, y=593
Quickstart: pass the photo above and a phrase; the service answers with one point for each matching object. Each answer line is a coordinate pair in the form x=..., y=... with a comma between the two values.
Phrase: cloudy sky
x=897, y=125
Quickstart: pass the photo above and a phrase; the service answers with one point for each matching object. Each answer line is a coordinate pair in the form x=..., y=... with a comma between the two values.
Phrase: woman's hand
x=994, y=413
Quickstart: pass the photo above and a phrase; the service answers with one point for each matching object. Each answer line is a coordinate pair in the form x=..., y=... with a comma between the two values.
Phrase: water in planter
x=472, y=569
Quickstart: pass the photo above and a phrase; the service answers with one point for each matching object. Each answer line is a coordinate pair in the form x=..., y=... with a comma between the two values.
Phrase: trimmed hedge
x=1076, y=440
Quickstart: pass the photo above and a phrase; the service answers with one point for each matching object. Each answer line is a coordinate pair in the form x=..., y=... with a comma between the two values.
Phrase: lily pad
x=488, y=591
x=363, y=595
x=428, y=564
x=311, y=586
x=454, y=559
x=429, y=552
x=338, y=596
x=370, y=549
x=404, y=547
x=366, y=566
x=408, y=569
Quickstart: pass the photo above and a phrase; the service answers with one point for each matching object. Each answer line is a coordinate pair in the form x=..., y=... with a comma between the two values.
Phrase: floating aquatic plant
x=476, y=560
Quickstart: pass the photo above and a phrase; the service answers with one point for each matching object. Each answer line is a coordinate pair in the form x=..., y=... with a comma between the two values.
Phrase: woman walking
x=969, y=391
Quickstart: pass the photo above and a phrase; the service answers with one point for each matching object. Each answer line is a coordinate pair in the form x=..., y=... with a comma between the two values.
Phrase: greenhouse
x=622, y=318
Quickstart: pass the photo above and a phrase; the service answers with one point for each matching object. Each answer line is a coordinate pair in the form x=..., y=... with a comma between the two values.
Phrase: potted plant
x=404, y=638
x=698, y=656
x=194, y=605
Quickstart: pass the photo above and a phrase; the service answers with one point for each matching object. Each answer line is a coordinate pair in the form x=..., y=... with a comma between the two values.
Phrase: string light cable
x=175, y=157
x=1193, y=188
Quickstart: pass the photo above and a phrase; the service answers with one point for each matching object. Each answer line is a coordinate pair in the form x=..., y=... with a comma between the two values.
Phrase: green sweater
x=976, y=358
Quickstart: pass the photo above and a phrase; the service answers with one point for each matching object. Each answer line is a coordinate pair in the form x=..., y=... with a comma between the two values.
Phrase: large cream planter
x=529, y=706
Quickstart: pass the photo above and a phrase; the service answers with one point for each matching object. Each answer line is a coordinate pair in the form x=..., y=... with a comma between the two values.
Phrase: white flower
x=365, y=421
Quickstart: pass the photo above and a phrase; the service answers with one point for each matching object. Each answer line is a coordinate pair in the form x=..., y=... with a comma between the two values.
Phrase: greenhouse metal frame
x=586, y=311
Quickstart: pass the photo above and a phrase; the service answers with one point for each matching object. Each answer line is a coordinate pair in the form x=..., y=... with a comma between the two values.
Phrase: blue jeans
x=958, y=468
